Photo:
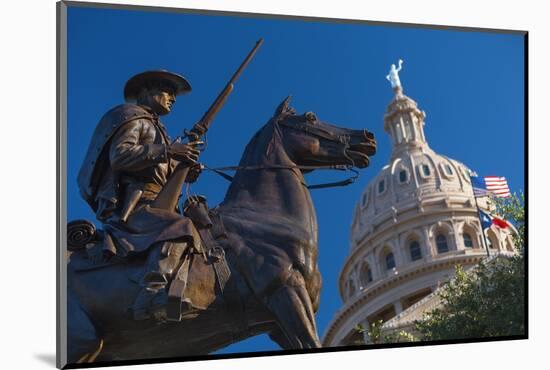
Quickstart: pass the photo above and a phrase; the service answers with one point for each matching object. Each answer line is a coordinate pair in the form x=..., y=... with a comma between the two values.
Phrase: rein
x=348, y=181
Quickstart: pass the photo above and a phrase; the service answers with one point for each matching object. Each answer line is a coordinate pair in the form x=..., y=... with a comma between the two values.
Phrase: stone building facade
x=414, y=222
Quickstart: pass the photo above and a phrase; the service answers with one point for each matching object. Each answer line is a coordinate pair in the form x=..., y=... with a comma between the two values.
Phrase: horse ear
x=284, y=107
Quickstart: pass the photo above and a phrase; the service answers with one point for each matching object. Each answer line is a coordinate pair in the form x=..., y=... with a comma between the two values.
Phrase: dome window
x=365, y=199
x=447, y=170
x=425, y=170
x=414, y=249
x=399, y=134
x=381, y=186
x=492, y=240
x=465, y=174
x=390, y=261
x=365, y=275
x=468, y=243
x=441, y=242
x=403, y=176
x=351, y=288
x=408, y=130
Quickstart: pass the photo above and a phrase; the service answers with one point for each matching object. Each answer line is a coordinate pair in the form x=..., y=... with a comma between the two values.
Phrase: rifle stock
x=169, y=195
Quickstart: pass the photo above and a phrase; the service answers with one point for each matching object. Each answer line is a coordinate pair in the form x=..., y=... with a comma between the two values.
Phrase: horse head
x=309, y=141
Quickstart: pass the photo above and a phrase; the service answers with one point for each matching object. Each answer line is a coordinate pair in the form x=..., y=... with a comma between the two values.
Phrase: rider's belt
x=152, y=187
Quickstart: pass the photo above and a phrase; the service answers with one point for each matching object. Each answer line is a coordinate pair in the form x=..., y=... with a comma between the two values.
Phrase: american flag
x=490, y=185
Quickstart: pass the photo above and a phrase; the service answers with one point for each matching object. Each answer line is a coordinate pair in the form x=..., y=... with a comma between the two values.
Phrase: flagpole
x=479, y=218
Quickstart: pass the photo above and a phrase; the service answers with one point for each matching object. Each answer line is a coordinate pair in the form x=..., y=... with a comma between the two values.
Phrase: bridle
x=311, y=130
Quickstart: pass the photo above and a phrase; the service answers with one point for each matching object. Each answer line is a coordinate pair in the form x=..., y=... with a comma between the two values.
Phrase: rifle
x=169, y=195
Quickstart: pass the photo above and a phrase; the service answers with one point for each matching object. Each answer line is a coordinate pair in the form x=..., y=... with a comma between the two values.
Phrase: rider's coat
x=128, y=152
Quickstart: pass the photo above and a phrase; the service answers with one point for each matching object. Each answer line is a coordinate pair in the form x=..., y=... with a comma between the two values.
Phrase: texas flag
x=487, y=220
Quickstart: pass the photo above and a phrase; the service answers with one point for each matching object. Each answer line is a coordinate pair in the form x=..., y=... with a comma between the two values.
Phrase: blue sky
x=471, y=85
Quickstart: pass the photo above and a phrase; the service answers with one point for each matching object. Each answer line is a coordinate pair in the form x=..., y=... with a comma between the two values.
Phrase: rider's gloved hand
x=185, y=152
x=194, y=173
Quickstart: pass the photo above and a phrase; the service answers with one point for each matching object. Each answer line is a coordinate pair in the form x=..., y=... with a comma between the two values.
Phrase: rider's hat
x=152, y=78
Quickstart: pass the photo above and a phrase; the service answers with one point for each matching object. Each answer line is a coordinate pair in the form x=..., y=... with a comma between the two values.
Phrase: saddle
x=210, y=227
x=83, y=235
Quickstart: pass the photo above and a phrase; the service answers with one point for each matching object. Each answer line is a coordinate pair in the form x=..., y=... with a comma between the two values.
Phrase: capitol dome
x=415, y=177
x=414, y=222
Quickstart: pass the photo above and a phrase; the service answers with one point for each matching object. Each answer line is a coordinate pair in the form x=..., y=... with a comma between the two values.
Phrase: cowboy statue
x=129, y=161
x=245, y=267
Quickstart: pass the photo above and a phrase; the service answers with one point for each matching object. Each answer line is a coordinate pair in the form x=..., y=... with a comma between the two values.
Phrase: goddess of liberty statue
x=393, y=76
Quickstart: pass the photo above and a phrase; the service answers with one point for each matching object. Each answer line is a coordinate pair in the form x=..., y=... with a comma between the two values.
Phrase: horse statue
x=270, y=247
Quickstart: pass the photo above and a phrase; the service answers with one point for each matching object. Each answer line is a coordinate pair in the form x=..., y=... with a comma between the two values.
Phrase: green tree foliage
x=378, y=337
x=512, y=209
x=488, y=301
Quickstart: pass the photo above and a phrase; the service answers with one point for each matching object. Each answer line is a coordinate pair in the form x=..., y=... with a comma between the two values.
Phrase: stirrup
x=150, y=303
x=177, y=308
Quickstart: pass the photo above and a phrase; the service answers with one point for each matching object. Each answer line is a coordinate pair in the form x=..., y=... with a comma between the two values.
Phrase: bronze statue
x=153, y=284
x=128, y=162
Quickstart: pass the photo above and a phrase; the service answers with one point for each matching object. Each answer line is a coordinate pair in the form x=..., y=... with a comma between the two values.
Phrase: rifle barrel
x=207, y=118
x=247, y=60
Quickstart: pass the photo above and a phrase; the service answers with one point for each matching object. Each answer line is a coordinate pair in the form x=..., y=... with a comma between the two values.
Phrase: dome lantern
x=403, y=121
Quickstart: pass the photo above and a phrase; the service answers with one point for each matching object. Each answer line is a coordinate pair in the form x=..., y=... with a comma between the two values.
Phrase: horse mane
x=250, y=154
x=265, y=137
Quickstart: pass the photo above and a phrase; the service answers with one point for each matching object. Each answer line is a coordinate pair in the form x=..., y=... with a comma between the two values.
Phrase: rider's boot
x=152, y=298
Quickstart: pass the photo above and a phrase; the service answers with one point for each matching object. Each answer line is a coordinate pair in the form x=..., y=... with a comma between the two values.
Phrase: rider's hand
x=193, y=174
x=187, y=153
